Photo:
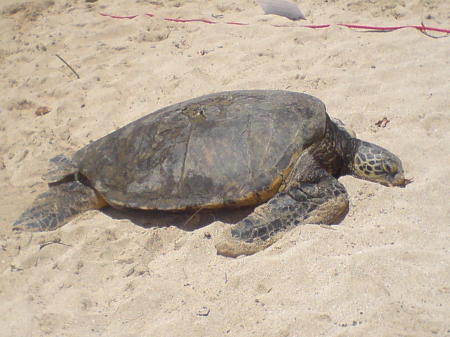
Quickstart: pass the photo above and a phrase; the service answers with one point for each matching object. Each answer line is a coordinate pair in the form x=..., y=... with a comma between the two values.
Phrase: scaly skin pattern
x=290, y=208
x=314, y=196
x=57, y=206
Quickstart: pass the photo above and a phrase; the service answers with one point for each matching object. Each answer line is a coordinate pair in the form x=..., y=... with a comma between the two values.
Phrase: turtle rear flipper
x=58, y=206
x=60, y=167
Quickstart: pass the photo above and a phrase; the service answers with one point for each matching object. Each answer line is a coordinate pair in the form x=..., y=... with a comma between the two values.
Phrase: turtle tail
x=58, y=206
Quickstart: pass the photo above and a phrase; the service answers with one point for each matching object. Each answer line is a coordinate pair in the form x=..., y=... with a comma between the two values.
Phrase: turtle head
x=376, y=164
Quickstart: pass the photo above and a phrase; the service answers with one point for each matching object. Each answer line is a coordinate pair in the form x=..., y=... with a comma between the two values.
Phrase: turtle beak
x=397, y=179
x=400, y=181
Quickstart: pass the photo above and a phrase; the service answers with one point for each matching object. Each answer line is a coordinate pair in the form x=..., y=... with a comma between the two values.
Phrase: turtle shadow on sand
x=185, y=220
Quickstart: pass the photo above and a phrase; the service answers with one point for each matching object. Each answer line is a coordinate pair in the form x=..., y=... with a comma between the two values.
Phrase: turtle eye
x=390, y=168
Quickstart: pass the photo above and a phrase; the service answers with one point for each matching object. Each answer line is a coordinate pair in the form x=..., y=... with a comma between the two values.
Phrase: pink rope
x=421, y=28
x=236, y=23
x=119, y=17
x=442, y=30
x=191, y=20
x=303, y=26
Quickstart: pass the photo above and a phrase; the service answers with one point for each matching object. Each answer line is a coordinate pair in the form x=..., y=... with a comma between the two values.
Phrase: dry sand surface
x=384, y=271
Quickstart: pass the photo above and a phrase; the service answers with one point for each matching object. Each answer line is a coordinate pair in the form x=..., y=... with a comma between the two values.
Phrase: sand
x=384, y=271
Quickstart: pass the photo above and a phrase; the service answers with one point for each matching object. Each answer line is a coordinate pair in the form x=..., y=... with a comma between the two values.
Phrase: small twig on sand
x=192, y=216
x=382, y=122
x=424, y=32
x=67, y=64
x=55, y=241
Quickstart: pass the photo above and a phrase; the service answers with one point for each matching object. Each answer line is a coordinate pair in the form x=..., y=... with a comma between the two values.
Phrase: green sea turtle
x=276, y=149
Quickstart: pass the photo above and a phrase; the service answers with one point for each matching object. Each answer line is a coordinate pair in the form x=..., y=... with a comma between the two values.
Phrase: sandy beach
x=383, y=271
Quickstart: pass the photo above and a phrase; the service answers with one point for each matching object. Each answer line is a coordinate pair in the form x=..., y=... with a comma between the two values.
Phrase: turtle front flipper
x=58, y=206
x=322, y=202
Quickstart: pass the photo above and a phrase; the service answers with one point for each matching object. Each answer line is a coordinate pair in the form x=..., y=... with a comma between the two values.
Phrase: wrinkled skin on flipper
x=57, y=206
x=314, y=197
x=60, y=168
